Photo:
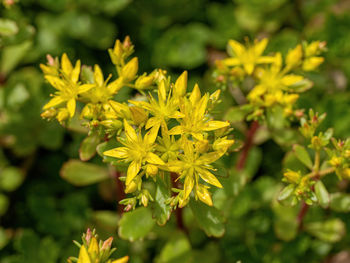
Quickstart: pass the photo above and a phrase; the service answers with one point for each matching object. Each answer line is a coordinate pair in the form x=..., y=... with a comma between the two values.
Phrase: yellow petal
x=202, y=106
x=133, y=170
x=294, y=56
x=188, y=185
x=152, y=122
x=203, y=194
x=129, y=132
x=312, y=63
x=115, y=85
x=260, y=46
x=209, y=157
x=162, y=91
x=176, y=130
x=153, y=159
x=291, y=79
x=71, y=107
x=93, y=247
x=83, y=255
x=249, y=68
x=236, y=47
x=121, y=260
x=98, y=75
x=181, y=85
x=232, y=61
x=195, y=95
x=66, y=65
x=53, y=102
x=85, y=87
x=55, y=82
x=151, y=135
x=76, y=72
x=120, y=152
x=214, y=125
x=208, y=177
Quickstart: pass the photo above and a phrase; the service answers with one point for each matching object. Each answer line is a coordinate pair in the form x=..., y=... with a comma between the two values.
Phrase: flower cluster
x=276, y=80
x=166, y=131
x=328, y=158
x=94, y=250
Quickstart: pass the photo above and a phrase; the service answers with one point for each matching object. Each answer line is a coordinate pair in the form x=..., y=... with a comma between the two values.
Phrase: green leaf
x=286, y=192
x=161, y=211
x=303, y=156
x=330, y=231
x=12, y=56
x=136, y=224
x=208, y=218
x=237, y=113
x=88, y=147
x=106, y=220
x=79, y=173
x=10, y=178
x=285, y=223
x=176, y=250
x=322, y=194
x=302, y=85
x=8, y=27
x=4, y=237
x=340, y=202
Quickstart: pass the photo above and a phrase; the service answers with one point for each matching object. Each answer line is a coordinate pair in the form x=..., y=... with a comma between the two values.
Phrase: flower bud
x=292, y=177
x=144, y=82
x=138, y=115
x=133, y=185
x=181, y=85
x=151, y=170
x=222, y=144
x=88, y=112
x=335, y=161
x=202, y=146
x=129, y=71
x=63, y=114
x=107, y=244
x=49, y=114
x=112, y=124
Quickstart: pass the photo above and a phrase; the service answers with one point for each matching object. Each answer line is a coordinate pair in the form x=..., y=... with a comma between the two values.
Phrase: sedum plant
x=164, y=131
x=95, y=250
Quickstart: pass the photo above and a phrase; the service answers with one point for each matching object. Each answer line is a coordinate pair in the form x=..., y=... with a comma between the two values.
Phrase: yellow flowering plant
x=94, y=250
x=161, y=135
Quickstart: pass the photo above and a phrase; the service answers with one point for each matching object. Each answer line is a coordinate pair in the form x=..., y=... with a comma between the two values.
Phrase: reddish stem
x=119, y=190
x=303, y=210
x=178, y=211
x=247, y=145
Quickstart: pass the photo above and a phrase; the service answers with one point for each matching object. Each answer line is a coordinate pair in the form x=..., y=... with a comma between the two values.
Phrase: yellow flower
x=67, y=85
x=195, y=122
x=166, y=106
x=136, y=150
x=274, y=85
x=248, y=57
x=101, y=92
x=191, y=165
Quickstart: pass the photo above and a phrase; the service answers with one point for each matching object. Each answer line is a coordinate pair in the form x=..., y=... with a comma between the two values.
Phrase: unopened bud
x=138, y=114
x=202, y=146
x=151, y=170
x=63, y=114
x=292, y=177
x=129, y=71
x=49, y=114
x=107, y=244
x=144, y=82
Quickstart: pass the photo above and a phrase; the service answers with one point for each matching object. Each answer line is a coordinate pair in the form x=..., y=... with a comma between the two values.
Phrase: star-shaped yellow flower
x=136, y=150
x=195, y=122
x=67, y=85
x=248, y=57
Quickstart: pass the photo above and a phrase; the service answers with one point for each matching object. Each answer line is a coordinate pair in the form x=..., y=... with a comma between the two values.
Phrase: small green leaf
x=10, y=178
x=12, y=55
x=340, y=202
x=176, y=250
x=88, y=147
x=136, y=224
x=208, y=218
x=79, y=173
x=4, y=238
x=330, y=231
x=286, y=192
x=237, y=113
x=322, y=194
x=302, y=85
x=303, y=156
x=161, y=211
x=8, y=27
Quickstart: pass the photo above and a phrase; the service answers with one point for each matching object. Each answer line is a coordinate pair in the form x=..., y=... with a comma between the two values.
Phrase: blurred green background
x=40, y=213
